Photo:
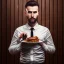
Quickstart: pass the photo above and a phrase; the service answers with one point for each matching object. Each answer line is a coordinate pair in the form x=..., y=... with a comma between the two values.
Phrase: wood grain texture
x=56, y=30
x=43, y=12
x=40, y=12
x=8, y=29
x=60, y=31
x=52, y=25
x=63, y=33
x=47, y=25
x=12, y=26
x=4, y=31
x=0, y=31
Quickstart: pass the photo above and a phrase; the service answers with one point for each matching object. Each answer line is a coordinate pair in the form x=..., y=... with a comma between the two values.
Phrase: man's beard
x=32, y=20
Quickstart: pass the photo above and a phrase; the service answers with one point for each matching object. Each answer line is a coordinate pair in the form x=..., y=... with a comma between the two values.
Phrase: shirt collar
x=35, y=27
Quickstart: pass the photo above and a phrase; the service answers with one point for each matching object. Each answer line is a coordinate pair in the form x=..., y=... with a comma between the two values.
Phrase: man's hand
x=23, y=36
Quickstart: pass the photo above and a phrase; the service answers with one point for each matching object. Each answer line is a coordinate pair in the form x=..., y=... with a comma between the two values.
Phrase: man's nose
x=32, y=14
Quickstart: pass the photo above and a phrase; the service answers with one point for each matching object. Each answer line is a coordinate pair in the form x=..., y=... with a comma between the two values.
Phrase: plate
x=24, y=41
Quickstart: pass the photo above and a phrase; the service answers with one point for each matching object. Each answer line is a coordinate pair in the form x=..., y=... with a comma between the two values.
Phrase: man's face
x=32, y=13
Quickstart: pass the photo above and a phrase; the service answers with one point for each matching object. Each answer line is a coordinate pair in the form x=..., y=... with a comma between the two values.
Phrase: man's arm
x=15, y=45
x=48, y=44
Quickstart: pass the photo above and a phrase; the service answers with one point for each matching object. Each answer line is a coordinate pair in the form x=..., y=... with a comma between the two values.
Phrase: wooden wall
x=12, y=15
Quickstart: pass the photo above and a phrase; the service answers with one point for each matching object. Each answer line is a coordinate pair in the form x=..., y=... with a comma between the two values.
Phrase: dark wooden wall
x=12, y=15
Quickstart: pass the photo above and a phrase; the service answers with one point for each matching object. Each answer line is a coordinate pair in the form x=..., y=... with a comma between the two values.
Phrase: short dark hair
x=31, y=3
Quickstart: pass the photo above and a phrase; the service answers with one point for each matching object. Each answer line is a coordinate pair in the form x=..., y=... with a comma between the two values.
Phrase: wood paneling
x=12, y=15
x=4, y=32
x=56, y=30
x=40, y=12
x=63, y=33
x=20, y=13
x=8, y=29
x=0, y=32
x=60, y=31
x=43, y=12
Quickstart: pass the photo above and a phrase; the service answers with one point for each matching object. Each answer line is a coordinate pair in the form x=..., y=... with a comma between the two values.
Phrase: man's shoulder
x=43, y=27
x=20, y=27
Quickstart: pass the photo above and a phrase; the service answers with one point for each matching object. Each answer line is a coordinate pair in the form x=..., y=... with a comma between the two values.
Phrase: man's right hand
x=23, y=36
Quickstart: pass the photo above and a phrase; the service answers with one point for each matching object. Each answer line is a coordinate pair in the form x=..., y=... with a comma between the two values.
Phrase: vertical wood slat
x=16, y=24
x=12, y=26
x=4, y=32
x=12, y=17
x=51, y=26
x=60, y=31
x=20, y=13
x=0, y=32
x=43, y=12
x=8, y=29
x=51, y=16
x=63, y=32
x=47, y=25
x=40, y=12
x=55, y=31
x=47, y=13
x=24, y=17
x=16, y=13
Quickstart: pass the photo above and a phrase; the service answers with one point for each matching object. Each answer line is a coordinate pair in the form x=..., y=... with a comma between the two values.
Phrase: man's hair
x=31, y=3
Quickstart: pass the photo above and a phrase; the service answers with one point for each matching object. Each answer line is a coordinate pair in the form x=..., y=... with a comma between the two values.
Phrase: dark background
x=12, y=15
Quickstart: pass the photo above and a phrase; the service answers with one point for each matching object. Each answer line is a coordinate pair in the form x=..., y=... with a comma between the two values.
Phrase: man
x=35, y=53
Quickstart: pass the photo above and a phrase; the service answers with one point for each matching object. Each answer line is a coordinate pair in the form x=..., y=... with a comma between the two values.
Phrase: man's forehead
x=32, y=8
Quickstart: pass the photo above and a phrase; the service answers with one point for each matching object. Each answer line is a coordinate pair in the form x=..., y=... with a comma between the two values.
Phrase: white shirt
x=32, y=52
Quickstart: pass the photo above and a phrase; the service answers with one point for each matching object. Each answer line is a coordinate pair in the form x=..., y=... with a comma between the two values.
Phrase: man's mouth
x=32, y=19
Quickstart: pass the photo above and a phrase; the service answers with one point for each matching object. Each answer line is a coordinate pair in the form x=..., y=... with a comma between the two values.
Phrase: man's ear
x=26, y=11
x=38, y=13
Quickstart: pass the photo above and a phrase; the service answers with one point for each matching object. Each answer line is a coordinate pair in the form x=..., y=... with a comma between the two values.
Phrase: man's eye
x=35, y=12
x=29, y=12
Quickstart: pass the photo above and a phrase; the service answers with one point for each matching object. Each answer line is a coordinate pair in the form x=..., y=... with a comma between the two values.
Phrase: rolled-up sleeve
x=15, y=45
